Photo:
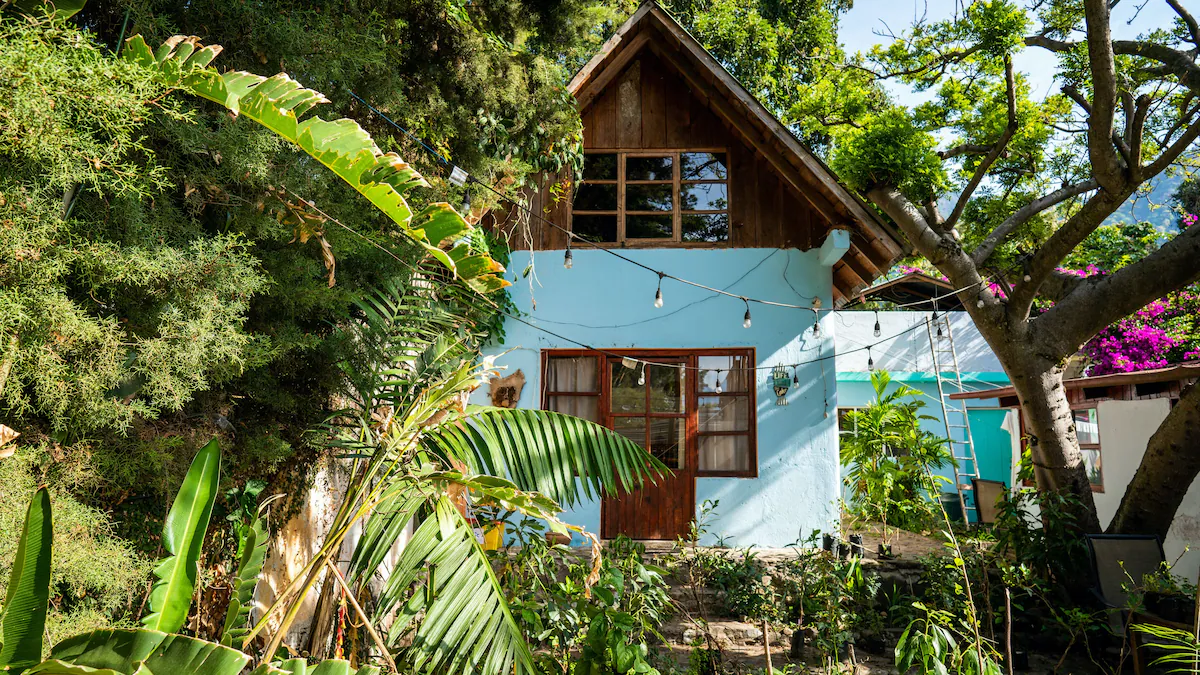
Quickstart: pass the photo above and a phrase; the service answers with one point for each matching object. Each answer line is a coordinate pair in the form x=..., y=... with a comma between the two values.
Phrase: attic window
x=653, y=197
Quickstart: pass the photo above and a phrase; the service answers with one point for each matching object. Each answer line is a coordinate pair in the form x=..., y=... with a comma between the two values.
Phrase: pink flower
x=1189, y=219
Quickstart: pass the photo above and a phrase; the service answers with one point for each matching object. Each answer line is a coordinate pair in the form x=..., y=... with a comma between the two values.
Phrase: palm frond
x=467, y=625
x=563, y=457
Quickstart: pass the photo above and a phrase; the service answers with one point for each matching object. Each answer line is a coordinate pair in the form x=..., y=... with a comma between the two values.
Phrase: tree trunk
x=1167, y=470
x=1050, y=426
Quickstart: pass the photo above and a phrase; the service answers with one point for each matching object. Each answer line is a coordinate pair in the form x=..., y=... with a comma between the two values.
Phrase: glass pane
x=735, y=375
x=627, y=395
x=724, y=413
x=649, y=227
x=666, y=388
x=596, y=197
x=595, y=228
x=846, y=423
x=724, y=453
x=705, y=227
x=584, y=407
x=702, y=166
x=648, y=198
x=648, y=168
x=1087, y=428
x=633, y=428
x=600, y=166
x=1091, y=460
x=666, y=441
x=703, y=197
x=573, y=373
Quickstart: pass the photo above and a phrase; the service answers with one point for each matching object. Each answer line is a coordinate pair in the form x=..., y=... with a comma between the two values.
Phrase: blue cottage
x=688, y=177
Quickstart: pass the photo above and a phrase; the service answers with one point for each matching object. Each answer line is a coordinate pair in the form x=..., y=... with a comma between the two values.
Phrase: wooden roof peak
x=651, y=27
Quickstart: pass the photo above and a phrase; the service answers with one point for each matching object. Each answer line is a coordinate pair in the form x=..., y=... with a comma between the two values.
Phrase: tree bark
x=1166, y=472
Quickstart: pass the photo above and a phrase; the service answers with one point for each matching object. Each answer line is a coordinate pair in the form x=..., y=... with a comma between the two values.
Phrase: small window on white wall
x=1087, y=430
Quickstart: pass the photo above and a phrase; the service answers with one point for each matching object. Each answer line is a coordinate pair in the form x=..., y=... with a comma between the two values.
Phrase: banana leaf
x=28, y=594
x=183, y=537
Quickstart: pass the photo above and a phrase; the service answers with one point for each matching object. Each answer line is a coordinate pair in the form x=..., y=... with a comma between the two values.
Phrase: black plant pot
x=843, y=550
x=828, y=542
x=1171, y=606
x=796, y=651
x=1020, y=659
x=856, y=545
x=885, y=552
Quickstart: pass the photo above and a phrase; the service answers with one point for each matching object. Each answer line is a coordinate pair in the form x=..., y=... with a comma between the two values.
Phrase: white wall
x=1125, y=429
x=909, y=351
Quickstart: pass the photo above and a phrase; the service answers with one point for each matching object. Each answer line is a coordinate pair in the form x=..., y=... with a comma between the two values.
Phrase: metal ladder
x=954, y=413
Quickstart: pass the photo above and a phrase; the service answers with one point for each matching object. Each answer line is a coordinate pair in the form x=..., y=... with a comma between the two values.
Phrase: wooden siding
x=648, y=106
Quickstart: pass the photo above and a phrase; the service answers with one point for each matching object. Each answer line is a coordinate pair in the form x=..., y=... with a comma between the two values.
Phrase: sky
x=860, y=28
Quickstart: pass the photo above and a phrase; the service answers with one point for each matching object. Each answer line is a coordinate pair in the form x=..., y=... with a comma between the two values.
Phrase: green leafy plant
x=183, y=537
x=940, y=642
x=890, y=459
x=1181, y=646
x=252, y=553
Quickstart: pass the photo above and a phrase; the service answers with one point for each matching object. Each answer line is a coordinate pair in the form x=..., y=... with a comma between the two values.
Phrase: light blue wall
x=608, y=304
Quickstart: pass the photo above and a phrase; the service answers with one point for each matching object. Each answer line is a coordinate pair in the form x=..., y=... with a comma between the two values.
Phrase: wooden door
x=653, y=408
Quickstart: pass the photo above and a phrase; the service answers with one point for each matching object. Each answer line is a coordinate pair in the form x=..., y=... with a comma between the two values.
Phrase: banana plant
x=279, y=103
x=183, y=537
x=28, y=594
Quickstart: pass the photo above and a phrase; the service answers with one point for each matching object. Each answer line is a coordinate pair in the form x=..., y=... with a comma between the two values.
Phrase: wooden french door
x=653, y=406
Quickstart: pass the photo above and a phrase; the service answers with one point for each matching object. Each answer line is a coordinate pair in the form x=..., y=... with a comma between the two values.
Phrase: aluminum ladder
x=954, y=413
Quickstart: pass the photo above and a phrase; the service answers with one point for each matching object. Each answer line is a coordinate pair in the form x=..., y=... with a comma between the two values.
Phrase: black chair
x=987, y=495
x=1118, y=560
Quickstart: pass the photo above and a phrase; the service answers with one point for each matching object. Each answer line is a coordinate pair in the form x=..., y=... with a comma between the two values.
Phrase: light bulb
x=642, y=377
x=939, y=332
x=746, y=319
x=795, y=377
x=1026, y=278
x=980, y=303
x=466, y=205
x=877, y=332
x=718, y=387
x=658, y=293
x=567, y=260
x=870, y=364
x=816, y=328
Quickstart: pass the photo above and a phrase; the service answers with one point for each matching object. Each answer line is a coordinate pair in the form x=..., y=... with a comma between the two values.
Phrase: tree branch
x=964, y=149
x=1181, y=64
x=1100, y=301
x=989, y=244
x=1010, y=93
x=1172, y=153
x=1188, y=20
x=1105, y=165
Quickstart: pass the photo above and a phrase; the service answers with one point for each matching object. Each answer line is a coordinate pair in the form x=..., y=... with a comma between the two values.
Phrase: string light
x=466, y=205
x=746, y=319
x=870, y=361
x=568, y=262
x=658, y=293
x=718, y=387
x=816, y=324
x=878, y=330
x=795, y=376
x=642, y=377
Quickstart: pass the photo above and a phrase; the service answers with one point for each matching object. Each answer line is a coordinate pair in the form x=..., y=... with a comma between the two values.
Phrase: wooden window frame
x=676, y=183
x=692, y=394
x=1092, y=446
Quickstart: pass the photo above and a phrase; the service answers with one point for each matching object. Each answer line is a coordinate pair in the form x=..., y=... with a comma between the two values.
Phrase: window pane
x=627, y=395
x=600, y=166
x=666, y=441
x=1091, y=460
x=648, y=168
x=702, y=166
x=1087, y=428
x=584, y=407
x=595, y=228
x=735, y=375
x=846, y=423
x=724, y=453
x=724, y=413
x=596, y=197
x=703, y=197
x=648, y=198
x=633, y=428
x=666, y=388
x=573, y=373
x=649, y=227
x=710, y=227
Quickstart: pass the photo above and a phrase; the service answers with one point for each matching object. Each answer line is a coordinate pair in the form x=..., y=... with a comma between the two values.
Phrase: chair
x=987, y=494
x=1116, y=560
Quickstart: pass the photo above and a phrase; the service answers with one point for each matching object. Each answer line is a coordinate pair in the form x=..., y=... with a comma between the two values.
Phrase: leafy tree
x=1028, y=180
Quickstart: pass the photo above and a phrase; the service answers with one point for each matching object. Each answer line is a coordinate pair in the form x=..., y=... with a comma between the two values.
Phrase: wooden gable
x=652, y=87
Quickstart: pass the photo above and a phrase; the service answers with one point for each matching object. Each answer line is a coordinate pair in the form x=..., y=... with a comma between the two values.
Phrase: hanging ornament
x=781, y=382
x=658, y=293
